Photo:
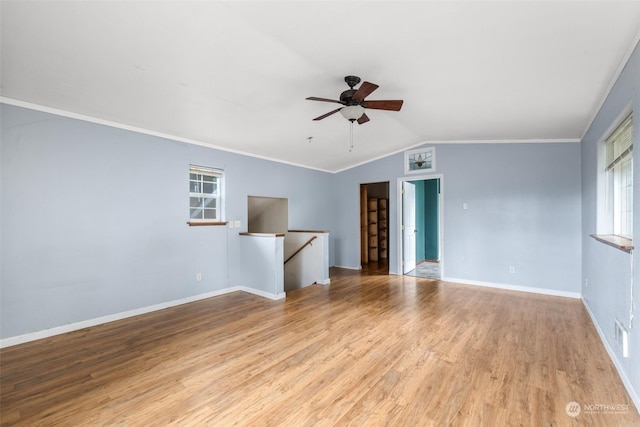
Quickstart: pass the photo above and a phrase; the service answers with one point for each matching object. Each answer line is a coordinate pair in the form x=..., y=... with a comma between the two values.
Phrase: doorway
x=374, y=233
x=267, y=214
x=420, y=226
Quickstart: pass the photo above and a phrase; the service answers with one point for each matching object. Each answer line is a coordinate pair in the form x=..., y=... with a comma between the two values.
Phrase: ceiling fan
x=354, y=101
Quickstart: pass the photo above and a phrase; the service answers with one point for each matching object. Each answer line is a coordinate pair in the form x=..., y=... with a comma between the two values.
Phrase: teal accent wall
x=420, y=218
x=427, y=219
x=431, y=191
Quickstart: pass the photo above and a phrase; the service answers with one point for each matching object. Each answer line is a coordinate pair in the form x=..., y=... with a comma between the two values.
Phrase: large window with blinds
x=619, y=167
x=205, y=194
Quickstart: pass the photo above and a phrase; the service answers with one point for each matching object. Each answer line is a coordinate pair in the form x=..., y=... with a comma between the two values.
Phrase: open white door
x=409, y=227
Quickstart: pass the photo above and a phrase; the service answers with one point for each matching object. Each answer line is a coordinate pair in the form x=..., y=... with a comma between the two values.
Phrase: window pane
x=210, y=214
x=207, y=188
x=623, y=197
x=210, y=203
x=195, y=202
x=204, y=189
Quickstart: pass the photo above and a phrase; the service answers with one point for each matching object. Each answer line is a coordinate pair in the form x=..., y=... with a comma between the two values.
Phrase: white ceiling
x=236, y=74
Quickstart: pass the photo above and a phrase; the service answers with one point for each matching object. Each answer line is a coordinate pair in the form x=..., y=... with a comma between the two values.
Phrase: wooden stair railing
x=301, y=248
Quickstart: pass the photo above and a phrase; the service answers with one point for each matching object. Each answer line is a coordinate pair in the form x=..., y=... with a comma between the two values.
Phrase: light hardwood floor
x=368, y=349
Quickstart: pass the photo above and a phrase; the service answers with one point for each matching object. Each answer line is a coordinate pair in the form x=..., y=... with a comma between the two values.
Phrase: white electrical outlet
x=198, y=277
x=465, y=205
x=512, y=269
x=622, y=337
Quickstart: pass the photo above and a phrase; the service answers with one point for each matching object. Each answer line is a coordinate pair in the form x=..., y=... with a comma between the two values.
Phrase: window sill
x=618, y=242
x=209, y=223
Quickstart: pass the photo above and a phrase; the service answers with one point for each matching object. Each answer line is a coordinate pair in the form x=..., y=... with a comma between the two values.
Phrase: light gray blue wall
x=524, y=210
x=93, y=219
x=607, y=270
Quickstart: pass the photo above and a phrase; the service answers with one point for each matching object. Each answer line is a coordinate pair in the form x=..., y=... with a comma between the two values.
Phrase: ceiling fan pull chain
x=351, y=137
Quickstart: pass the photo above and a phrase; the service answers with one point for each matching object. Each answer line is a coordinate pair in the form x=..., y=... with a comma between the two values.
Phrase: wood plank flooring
x=366, y=350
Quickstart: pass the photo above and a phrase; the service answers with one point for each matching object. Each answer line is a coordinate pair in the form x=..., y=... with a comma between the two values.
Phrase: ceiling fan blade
x=363, y=91
x=394, y=105
x=363, y=119
x=328, y=114
x=315, y=98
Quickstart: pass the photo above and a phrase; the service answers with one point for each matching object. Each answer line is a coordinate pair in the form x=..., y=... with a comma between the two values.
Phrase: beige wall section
x=267, y=214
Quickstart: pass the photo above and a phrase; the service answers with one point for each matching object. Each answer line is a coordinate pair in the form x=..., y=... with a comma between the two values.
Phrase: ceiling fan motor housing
x=345, y=97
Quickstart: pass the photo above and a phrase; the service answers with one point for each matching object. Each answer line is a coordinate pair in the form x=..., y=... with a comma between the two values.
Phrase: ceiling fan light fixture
x=352, y=112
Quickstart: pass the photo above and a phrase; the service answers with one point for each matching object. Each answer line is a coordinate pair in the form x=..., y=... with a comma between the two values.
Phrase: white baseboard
x=348, y=268
x=614, y=358
x=324, y=282
x=46, y=333
x=529, y=289
x=260, y=293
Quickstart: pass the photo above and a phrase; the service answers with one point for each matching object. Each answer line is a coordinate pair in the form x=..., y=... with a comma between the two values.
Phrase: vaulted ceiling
x=235, y=75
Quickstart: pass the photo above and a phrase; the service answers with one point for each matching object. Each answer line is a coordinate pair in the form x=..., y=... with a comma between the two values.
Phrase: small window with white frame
x=420, y=160
x=205, y=194
x=619, y=174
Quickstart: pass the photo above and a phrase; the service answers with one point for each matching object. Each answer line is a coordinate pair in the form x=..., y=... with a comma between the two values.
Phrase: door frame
x=363, y=211
x=364, y=247
x=399, y=234
x=408, y=231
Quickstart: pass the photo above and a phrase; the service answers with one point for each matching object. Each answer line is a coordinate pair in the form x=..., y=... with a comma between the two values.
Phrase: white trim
x=504, y=141
x=398, y=237
x=464, y=141
x=69, y=114
x=263, y=294
x=612, y=355
x=542, y=291
x=46, y=333
x=90, y=119
x=348, y=268
x=616, y=75
x=324, y=282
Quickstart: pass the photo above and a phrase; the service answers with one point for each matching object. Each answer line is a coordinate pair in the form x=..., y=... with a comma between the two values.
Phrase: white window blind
x=620, y=143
